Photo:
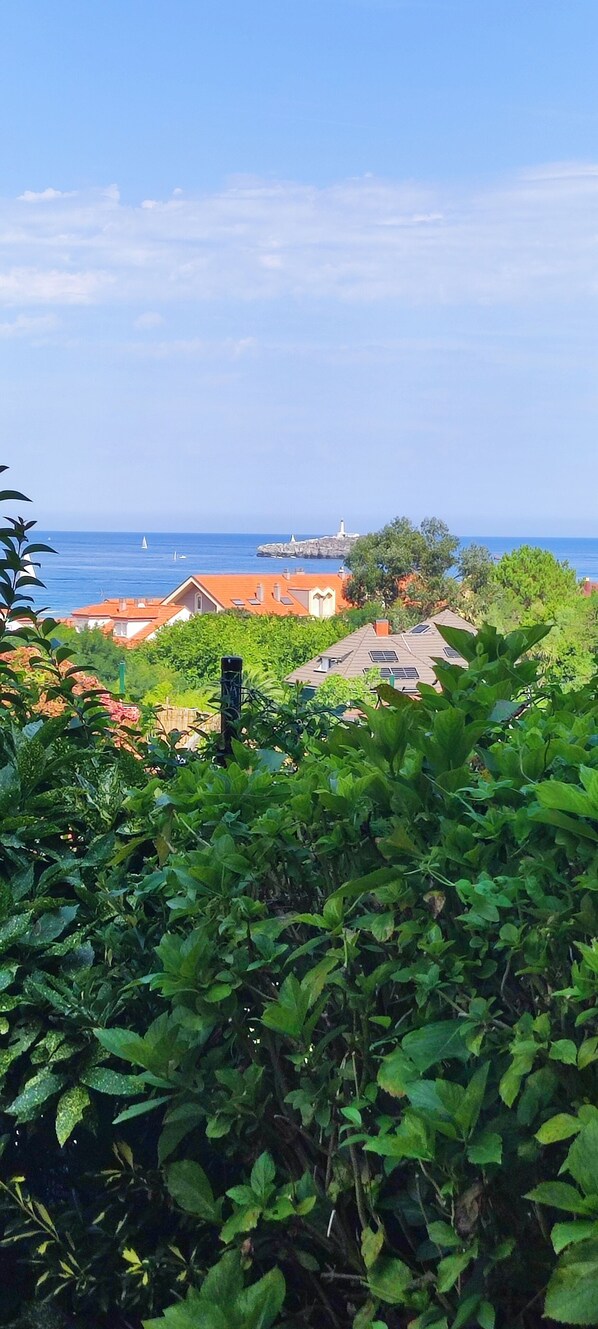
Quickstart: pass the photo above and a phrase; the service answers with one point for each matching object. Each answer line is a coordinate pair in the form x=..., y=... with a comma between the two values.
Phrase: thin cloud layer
x=530, y=238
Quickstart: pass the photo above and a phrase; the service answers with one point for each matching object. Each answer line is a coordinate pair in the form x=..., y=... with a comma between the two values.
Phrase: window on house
x=420, y=627
x=451, y=653
x=285, y=600
x=383, y=657
x=254, y=602
x=239, y=603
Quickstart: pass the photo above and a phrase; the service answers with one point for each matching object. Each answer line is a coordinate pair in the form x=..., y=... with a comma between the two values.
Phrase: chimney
x=382, y=627
x=259, y=592
x=122, y=606
x=276, y=591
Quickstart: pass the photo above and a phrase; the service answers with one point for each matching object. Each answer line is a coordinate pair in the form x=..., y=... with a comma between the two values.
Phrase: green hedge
x=310, y=1041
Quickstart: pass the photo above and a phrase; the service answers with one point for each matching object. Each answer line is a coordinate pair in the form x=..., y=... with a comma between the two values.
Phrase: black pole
x=231, y=677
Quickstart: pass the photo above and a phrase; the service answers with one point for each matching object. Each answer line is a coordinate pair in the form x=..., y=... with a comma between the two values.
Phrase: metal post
x=231, y=677
x=121, y=678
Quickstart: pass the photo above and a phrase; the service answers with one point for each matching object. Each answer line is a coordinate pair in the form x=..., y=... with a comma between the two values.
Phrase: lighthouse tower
x=341, y=530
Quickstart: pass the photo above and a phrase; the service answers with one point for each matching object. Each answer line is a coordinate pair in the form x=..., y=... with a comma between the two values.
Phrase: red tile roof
x=227, y=588
x=139, y=607
x=150, y=611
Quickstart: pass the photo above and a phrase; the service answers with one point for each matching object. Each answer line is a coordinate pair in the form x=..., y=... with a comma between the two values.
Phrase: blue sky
x=264, y=262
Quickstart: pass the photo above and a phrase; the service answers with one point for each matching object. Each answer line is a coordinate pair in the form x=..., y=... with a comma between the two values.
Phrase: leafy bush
x=309, y=1041
x=270, y=645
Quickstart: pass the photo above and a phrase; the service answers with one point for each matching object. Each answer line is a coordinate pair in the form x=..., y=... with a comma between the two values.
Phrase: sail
x=144, y=543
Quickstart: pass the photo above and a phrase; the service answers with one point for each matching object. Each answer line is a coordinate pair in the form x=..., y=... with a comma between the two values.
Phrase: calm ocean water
x=89, y=565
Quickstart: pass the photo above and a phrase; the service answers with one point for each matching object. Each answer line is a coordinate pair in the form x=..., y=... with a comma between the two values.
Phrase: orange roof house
x=129, y=621
x=138, y=619
x=301, y=594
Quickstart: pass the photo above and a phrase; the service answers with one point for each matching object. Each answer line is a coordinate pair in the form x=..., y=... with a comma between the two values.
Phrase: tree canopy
x=380, y=562
x=536, y=583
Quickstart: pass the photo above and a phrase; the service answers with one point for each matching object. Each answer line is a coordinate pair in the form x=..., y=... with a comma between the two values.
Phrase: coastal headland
x=322, y=546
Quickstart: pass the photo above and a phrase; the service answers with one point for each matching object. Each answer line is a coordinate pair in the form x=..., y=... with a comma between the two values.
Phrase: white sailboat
x=144, y=543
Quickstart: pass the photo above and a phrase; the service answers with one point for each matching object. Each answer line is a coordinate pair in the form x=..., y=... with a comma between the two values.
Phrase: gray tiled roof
x=413, y=649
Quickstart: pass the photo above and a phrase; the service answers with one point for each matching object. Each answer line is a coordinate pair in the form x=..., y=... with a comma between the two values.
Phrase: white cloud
x=44, y=196
x=28, y=326
x=196, y=348
x=529, y=238
x=149, y=320
x=39, y=286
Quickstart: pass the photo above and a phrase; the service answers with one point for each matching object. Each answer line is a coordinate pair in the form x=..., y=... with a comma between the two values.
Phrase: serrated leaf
x=559, y=1195
x=389, y=1280
x=572, y=1293
x=371, y=1245
x=565, y=1234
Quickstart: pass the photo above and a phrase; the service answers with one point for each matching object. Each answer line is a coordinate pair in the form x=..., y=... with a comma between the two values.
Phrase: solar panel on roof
x=400, y=671
x=383, y=657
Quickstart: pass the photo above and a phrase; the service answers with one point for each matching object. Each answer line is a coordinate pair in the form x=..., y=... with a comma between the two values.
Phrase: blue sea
x=90, y=565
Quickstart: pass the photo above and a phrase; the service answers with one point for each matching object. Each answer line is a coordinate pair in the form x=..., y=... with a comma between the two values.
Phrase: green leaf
x=260, y=1305
x=582, y=1159
x=485, y=1148
x=140, y=1109
x=443, y=1235
x=438, y=1041
x=244, y=1220
x=396, y=1073
x=565, y=798
x=467, y=1309
x=588, y=1053
x=572, y=1293
x=556, y=1128
x=371, y=1245
x=486, y=1315
x=189, y=1186
x=565, y=1234
x=287, y=1015
x=470, y=1106
x=69, y=1112
x=105, y=1081
x=560, y=1196
x=37, y=1091
x=122, y=1043
x=262, y=1177
x=450, y=1269
x=564, y=1050
x=389, y=1280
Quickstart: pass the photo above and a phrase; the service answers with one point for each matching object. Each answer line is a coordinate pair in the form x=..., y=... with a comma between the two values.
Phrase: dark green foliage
x=530, y=585
x=536, y=580
x=475, y=567
x=380, y=562
x=269, y=644
x=310, y=1039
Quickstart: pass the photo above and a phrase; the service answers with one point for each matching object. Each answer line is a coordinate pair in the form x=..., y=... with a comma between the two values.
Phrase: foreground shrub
x=308, y=1042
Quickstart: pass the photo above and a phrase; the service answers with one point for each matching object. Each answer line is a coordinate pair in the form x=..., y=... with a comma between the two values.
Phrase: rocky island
x=320, y=546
